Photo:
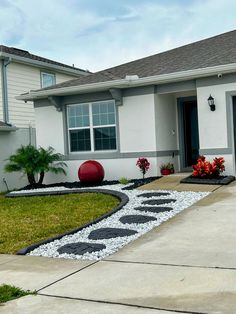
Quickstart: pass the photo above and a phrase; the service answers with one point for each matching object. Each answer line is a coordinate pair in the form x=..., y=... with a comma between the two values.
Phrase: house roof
x=31, y=57
x=214, y=51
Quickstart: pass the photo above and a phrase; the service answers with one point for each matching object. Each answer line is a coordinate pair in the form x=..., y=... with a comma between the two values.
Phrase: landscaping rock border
x=222, y=180
x=123, y=198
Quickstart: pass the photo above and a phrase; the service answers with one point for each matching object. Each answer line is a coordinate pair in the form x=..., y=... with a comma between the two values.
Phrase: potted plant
x=167, y=169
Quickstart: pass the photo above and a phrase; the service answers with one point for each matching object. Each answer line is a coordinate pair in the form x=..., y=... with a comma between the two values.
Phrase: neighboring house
x=156, y=107
x=20, y=72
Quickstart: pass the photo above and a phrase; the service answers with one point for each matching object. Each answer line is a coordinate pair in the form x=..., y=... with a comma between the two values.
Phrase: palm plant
x=33, y=162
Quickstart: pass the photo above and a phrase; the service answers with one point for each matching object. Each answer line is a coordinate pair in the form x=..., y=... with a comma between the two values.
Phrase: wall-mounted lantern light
x=211, y=103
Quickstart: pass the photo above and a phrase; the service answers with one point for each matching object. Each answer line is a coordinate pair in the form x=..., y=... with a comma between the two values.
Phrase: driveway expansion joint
x=166, y=264
x=120, y=303
x=71, y=274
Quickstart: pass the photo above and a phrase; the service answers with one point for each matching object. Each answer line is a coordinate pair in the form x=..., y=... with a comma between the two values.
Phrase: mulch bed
x=221, y=180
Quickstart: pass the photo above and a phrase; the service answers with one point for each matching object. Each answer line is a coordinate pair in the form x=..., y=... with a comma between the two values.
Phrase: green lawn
x=27, y=220
x=8, y=293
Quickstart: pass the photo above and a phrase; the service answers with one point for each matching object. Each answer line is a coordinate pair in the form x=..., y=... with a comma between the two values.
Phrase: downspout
x=5, y=63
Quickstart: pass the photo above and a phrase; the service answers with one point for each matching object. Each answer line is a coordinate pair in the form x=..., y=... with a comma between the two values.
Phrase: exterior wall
x=166, y=122
x=9, y=141
x=1, y=107
x=114, y=169
x=21, y=78
x=215, y=128
x=137, y=120
x=166, y=129
x=49, y=128
x=137, y=124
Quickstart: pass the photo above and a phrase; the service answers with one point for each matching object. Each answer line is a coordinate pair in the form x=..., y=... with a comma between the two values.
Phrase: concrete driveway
x=187, y=265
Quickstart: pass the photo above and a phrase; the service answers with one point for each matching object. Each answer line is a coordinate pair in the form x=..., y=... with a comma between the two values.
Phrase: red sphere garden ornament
x=91, y=171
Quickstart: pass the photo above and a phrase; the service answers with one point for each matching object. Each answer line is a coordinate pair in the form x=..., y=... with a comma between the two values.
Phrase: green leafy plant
x=8, y=293
x=168, y=166
x=34, y=162
x=123, y=180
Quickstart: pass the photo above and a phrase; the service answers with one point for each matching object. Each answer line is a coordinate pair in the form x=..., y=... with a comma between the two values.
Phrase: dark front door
x=190, y=141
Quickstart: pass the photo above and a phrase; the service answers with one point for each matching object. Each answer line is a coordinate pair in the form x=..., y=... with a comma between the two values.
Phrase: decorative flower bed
x=205, y=172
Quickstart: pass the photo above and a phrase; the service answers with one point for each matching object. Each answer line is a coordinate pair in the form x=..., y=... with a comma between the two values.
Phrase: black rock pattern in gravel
x=158, y=202
x=109, y=233
x=156, y=194
x=155, y=210
x=136, y=219
x=80, y=248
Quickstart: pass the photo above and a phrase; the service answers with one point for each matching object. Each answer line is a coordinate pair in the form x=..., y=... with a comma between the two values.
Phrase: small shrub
x=206, y=169
x=123, y=180
x=143, y=165
x=168, y=166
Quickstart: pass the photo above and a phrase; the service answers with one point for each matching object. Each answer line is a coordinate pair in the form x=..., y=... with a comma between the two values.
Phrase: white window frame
x=91, y=127
x=47, y=73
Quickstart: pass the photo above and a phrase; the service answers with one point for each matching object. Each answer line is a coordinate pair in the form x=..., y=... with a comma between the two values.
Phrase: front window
x=47, y=79
x=92, y=126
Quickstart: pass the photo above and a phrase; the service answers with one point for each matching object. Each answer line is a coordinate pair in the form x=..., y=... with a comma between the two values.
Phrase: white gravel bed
x=183, y=200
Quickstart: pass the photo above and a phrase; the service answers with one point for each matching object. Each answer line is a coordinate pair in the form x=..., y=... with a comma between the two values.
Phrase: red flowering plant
x=143, y=165
x=206, y=169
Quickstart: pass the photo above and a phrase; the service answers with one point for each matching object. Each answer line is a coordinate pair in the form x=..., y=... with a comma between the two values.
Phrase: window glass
x=105, y=138
x=48, y=79
x=103, y=113
x=80, y=140
x=78, y=116
x=92, y=126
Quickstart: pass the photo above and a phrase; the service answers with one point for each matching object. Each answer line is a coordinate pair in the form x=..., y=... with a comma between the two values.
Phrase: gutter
x=131, y=82
x=5, y=63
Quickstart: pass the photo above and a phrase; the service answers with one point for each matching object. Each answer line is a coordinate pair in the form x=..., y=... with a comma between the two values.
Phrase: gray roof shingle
x=26, y=54
x=214, y=51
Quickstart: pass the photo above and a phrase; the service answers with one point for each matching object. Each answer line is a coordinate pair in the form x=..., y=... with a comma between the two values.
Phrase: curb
x=123, y=198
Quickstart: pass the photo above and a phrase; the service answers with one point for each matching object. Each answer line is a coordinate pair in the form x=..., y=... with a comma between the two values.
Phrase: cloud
x=99, y=34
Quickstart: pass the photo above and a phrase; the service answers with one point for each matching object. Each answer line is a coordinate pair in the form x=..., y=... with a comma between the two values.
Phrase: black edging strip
x=123, y=198
x=214, y=181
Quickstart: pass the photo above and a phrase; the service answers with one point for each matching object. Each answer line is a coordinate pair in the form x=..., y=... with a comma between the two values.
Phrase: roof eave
x=126, y=83
x=41, y=64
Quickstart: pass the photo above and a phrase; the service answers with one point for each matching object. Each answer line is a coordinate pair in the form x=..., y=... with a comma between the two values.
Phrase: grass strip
x=8, y=293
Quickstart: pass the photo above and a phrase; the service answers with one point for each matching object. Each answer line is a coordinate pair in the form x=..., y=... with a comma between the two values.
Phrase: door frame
x=181, y=137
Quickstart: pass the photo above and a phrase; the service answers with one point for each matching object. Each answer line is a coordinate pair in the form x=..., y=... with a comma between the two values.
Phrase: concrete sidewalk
x=187, y=265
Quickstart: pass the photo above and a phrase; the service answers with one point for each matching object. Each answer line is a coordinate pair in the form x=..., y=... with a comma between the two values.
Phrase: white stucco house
x=156, y=107
x=21, y=71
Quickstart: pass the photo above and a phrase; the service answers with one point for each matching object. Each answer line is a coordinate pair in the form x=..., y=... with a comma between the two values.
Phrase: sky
x=98, y=34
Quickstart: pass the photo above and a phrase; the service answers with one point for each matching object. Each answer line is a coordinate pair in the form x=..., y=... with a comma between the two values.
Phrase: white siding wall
x=49, y=128
x=137, y=124
x=22, y=78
